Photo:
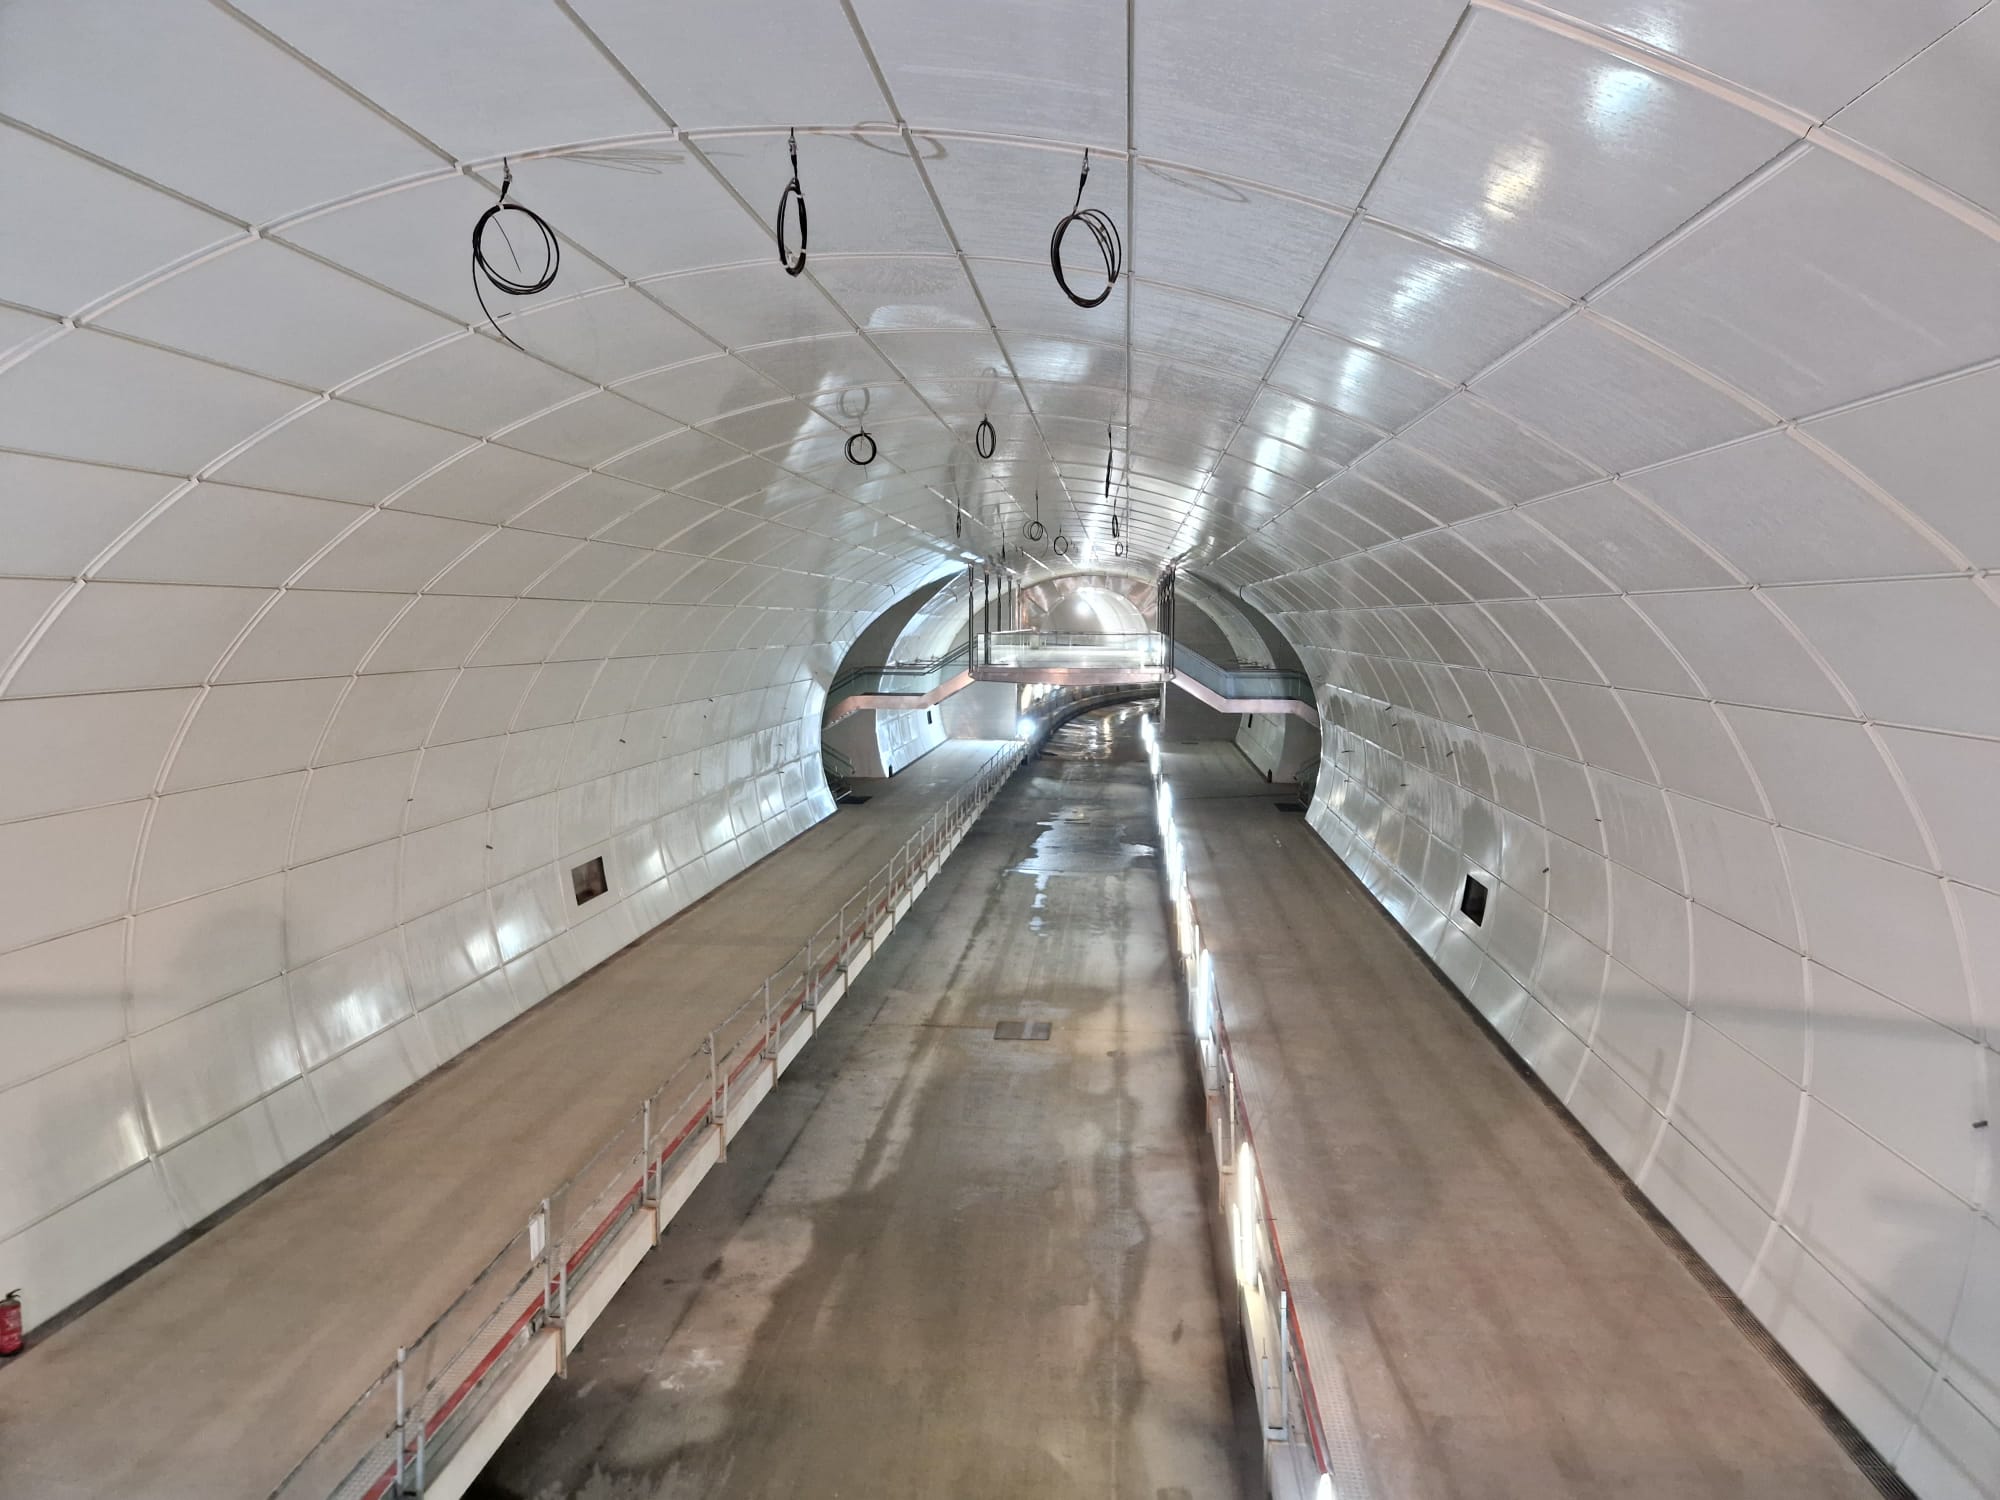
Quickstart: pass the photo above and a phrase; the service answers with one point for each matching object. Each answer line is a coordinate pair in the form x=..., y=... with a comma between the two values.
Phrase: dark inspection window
x=587, y=879
x=927, y=716
x=1473, y=901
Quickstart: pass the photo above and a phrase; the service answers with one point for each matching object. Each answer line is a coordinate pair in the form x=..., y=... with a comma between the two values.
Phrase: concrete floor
x=217, y=1370
x=936, y=1263
x=1485, y=1312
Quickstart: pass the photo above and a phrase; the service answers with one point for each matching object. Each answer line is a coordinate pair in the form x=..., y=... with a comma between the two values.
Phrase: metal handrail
x=1072, y=638
x=417, y=1435
x=1242, y=682
x=906, y=673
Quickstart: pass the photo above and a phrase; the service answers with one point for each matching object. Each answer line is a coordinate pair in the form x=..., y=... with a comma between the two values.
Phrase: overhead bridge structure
x=1073, y=659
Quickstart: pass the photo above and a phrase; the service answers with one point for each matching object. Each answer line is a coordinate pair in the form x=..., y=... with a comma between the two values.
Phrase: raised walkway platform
x=1483, y=1312
x=214, y=1373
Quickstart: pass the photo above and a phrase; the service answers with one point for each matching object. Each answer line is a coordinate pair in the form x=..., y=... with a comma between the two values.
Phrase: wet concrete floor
x=937, y=1263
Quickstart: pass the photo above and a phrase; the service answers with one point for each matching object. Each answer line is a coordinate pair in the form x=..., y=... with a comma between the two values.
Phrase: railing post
x=720, y=1123
x=548, y=1286
x=560, y=1270
x=1284, y=1361
x=770, y=1030
x=649, y=1186
x=402, y=1420
x=1229, y=1075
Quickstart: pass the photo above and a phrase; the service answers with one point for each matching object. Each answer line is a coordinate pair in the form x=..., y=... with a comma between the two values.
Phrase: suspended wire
x=1118, y=547
x=1109, y=245
x=522, y=284
x=984, y=439
x=1034, y=531
x=793, y=265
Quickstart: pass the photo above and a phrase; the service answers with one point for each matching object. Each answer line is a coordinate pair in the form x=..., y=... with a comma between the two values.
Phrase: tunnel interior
x=1592, y=400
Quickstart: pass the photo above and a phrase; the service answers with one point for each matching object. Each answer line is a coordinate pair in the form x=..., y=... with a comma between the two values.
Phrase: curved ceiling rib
x=1599, y=396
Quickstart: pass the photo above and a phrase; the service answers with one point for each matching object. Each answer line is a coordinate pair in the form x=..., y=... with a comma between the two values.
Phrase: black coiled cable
x=1034, y=531
x=984, y=439
x=861, y=437
x=481, y=266
x=793, y=264
x=1109, y=244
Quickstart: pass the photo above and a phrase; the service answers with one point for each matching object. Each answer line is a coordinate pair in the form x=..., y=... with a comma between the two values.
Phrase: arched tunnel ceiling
x=1431, y=264
x=1599, y=396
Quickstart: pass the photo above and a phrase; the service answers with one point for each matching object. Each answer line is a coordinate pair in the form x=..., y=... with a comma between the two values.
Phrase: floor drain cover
x=1021, y=1031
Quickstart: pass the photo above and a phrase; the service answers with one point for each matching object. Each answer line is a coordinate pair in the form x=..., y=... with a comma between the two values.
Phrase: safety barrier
x=1299, y=1459
x=429, y=1422
x=899, y=677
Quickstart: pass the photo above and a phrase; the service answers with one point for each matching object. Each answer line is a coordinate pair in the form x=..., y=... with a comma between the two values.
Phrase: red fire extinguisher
x=10, y=1322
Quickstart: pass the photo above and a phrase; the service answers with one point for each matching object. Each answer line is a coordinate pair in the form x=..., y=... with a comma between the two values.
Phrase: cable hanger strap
x=522, y=284
x=793, y=262
x=1109, y=245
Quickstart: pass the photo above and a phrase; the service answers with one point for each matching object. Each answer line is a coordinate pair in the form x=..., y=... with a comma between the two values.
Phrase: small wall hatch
x=1021, y=1031
x=587, y=880
x=1473, y=901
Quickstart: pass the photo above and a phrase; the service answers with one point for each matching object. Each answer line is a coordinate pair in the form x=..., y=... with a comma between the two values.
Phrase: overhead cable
x=1109, y=244
x=521, y=284
x=793, y=264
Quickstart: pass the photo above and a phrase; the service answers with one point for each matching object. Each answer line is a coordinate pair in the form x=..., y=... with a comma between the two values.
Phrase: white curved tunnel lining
x=1600, y=400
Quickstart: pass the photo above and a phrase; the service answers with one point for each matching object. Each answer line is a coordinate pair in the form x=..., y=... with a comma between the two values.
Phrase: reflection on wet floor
x=1084, y=833
x=938, y=1263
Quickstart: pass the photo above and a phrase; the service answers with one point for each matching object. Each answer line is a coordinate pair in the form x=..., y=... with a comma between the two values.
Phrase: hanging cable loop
x=1061, y=545
x=793, y=262
x=1109, y=245
x=861, y=437
x=984, y=439
x=522, y=284
x=1034, y=531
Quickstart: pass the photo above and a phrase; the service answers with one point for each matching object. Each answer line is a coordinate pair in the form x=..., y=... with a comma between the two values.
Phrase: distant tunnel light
x=1024, y=729
x=1324, y=1489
